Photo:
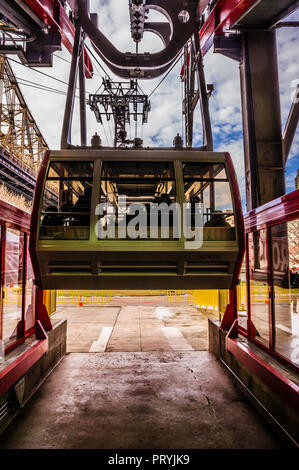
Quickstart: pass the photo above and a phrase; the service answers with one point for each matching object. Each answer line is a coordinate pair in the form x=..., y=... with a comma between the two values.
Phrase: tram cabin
x=136, y=219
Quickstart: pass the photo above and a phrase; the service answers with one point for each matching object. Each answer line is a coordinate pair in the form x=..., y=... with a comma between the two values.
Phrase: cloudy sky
x=165, y=118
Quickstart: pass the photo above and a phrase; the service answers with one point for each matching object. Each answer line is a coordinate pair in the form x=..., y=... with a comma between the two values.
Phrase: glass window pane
x=2, y=349
x=208, y=184
x=242, y=298
x=259, y=291
x=285, y=261
x=29, y=313
x=129, y=190
x=13, y=278
x=66, y=204
x=199, y=170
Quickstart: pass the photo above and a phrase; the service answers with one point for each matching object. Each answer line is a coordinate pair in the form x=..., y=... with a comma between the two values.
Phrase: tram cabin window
x=130, y=185
x=207, y=183
x=66, y=205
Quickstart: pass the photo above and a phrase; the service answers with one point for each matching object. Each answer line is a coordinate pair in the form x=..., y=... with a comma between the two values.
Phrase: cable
x=40, y=86
x=140, y=88
x=104, y=70
x=61, y=92
x=43, y=89
x=57, y=79
x=38, y=71
x=98, y=89
x=97, y=61
x=107, y=74
x=100, y=65
x=105, y=134
x=69, y=62
x=62, y=58
x=42, y=73
x=110, y=132
x=161, y=81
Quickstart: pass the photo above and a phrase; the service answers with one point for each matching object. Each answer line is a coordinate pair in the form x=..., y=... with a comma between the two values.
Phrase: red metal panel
x=41, y=313
x=274, y=379
x=13, y=215
x=206, y=34
x=45, y=10
x=223, y=16
x=11, y=374
x=234, y=329
x=282, y=209
x=54, y=15
x=11, y=346
x=231, y=311
x=229, y=11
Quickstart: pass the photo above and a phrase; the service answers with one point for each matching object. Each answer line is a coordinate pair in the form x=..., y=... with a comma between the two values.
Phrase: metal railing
x=83, y=297
x=180, y=296
x=211, y=299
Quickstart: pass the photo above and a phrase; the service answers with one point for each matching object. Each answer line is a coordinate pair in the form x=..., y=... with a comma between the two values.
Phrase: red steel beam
x=224, y=14
x=281, y=210
x=55, y=17
x=222, y=17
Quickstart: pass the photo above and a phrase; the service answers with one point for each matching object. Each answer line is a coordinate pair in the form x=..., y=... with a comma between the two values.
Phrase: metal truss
x=121, y=101
x=19, y=133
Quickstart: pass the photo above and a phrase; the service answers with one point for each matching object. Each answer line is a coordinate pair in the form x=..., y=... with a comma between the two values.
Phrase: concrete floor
x=159, y=400
x=146, y=325
x=147, y=382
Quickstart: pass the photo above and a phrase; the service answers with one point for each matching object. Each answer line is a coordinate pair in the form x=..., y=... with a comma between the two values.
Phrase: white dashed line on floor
x=176, y=339
x=101, y=344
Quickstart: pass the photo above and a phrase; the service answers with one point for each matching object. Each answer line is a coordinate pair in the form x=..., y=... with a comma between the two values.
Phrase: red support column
x=231, y=311
x=41, y=313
